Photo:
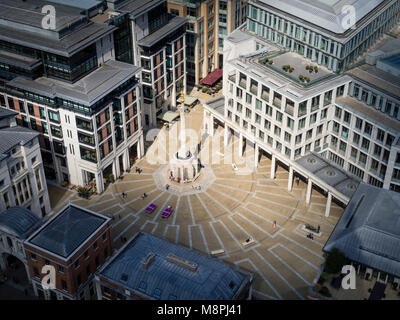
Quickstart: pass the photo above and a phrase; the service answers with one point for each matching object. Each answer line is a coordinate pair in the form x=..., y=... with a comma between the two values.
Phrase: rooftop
x=80, y=4
x=326, y=14
x=385, y=81
x=148, y=263
x=217, y=104
x=63, y=234
x=369, y=230
x=299, y=64
x=7, y=113
x=329, y=173
x=136, y=7
x=88, y=90
x=19, y=222
x=14, y=136
x=174, y=23
x=21, y=23
x=376, y=116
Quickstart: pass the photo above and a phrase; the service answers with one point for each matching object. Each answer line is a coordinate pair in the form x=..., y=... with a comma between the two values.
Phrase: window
x=279, y=116
x=54, y=116
x=61, y=269
x=157, y=293
x=95, y=245
x=368, y=128
x=142, y=285
x=76, y=264
x=64, y=285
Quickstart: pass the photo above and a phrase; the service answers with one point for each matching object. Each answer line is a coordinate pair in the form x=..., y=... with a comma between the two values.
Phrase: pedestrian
x=167, y=187
x=119, y=217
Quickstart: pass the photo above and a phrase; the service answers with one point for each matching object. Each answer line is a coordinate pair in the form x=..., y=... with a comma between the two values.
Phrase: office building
x=150, y=268
x=65, y=84
x=209, y=23
x=75, y=242
x=22, y=179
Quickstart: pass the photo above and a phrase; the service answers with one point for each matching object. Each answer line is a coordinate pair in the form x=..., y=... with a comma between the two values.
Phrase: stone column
x=273, y=167
x=3, y=265
x=211, y=125
x=309, y=189
x=140, y=147
x=328, y=205
x=290, y=180
x=114, y=169
x=256, y=154
x=126, y=160
x=98, y=291
x=226, y=135
x=99, y=182
x=240, y=144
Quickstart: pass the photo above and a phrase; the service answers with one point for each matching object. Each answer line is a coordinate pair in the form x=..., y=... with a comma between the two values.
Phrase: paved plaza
x=236, y=206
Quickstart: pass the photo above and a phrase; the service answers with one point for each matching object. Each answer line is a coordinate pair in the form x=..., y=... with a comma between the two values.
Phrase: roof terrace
x=297, y=68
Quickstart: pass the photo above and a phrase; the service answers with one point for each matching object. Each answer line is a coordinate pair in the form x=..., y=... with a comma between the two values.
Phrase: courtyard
x=236, y=206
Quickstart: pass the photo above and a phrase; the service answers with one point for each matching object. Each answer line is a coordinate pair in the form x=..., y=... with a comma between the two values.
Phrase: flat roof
x=329, y=173
x=136, y=7
x=380, y=79
x=326, y=14
x=70, y=44
x=369, y=230
x=67, y=231
x=14, y=136
x=29, y=13
x=192, y=276
x=7, y=113
x=218, y=105
x=81, y=4
x=174, y=23
x=19, y=60
x=19, y=222
x=376, y=116
x=88, y=90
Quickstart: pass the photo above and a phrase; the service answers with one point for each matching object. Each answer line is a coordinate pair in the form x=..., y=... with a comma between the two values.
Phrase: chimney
x=149, y=259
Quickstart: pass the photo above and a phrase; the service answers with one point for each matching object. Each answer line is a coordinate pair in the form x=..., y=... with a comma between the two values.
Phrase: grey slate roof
x=20, y=23
x=69, y=229
x=13, y=136
x=218, y=105
x=326, y=14
x=210, y=281
x=329, y=173
x=369, y=230
x=173, y=24
x=136, y=7
x=19, y=222
x=86, y=91
x=81, y=4
x=7, y=113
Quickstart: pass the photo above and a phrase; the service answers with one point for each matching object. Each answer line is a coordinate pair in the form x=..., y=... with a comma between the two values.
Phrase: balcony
x=289, y=109
x=232, y=78
x=277, y=102
x=242, y=83
x=265, y=96
x=254, y=90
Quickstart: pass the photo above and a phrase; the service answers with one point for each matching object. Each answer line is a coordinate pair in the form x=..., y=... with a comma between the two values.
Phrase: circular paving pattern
x=231, y=207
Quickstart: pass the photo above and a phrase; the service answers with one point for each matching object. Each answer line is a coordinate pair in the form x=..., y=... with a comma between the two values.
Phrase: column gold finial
x=182, y=98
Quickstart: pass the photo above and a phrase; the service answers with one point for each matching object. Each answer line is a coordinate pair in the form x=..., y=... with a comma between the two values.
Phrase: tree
x=335, y=261
x=83, y=192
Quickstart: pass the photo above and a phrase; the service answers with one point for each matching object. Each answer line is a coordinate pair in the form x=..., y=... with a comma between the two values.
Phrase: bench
x=167, y=212
x=248, y=243
x=150, y=208
x=217, y=252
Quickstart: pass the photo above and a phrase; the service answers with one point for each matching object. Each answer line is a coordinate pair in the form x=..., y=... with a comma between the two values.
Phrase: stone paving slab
x=234, y=208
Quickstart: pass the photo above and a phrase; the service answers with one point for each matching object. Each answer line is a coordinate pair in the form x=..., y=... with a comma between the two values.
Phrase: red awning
x=212, y=77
